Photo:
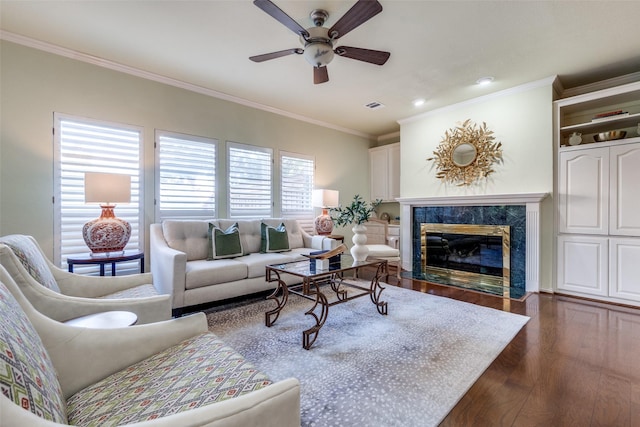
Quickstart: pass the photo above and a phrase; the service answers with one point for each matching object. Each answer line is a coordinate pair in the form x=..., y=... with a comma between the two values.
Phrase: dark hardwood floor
x=575, y=363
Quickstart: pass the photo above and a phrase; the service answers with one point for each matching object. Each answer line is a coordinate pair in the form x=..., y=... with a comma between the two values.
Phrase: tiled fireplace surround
x=520, y=211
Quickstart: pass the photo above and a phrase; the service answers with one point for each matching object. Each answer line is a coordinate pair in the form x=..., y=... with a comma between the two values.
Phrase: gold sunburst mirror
x=466, y=154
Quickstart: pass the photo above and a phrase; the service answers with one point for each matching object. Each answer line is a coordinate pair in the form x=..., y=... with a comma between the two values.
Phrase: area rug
x=408, y=368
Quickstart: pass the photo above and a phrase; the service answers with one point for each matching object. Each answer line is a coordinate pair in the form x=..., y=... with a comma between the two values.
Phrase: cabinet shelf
x=592, y=144
x=604, y=124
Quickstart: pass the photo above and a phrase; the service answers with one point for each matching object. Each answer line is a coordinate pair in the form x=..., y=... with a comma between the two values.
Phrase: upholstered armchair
x=170, y=373
x=61, y=295
x=378, y=244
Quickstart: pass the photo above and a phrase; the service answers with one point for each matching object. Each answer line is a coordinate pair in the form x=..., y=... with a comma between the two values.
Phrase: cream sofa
x=179, y=251
x=169, y=373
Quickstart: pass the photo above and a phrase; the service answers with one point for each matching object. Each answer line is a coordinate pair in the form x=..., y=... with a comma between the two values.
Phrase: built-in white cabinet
x=384, y=169
x=598, y=195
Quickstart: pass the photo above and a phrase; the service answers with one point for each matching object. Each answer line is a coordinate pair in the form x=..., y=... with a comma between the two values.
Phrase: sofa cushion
x=273, y=239
x=256, y=263
x=197, y=372
x=204, y=273
x=27, y=375
x=142, y=291
x=188, y=236
x=27, y=251
x=224, y=243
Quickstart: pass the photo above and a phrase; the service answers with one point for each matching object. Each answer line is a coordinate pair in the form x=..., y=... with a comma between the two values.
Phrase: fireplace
x=514, y=217
x=468, y=255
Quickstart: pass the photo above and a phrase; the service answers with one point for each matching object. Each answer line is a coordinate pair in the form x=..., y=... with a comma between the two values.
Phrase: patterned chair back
x=27, y=375
x=32, y=259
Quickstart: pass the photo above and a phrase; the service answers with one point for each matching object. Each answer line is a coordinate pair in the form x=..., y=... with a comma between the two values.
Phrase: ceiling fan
x=318, y=42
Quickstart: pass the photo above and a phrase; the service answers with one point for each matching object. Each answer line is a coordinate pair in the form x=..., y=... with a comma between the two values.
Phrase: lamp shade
x=107, y=233
x=325, y=198
x=107, y=188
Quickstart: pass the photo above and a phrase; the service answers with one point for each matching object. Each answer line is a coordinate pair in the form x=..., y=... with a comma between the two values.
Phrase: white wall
x=35, y=84
x=522, y=120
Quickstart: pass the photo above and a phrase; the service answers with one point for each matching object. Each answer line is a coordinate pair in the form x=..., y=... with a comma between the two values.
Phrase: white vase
x=359, y=250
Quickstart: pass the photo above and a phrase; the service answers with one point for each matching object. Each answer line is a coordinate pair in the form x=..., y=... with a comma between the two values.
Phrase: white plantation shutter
x=185, y=176
x=296, y=183
x=250, y=171
x=83, y=145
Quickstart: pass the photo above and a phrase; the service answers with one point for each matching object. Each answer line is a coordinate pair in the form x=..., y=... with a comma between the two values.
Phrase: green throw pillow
x=224, y=244
x=273, y=239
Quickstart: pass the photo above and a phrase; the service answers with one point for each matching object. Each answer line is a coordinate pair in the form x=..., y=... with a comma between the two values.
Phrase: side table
x=336, y=237
x=105, y=320
x=107, y=258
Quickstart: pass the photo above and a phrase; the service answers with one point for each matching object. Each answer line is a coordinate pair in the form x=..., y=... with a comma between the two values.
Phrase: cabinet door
x=583, y=187
x=379, y=170
x=394, y=171
x=624, y=214
x=583, y=264
x=624, y=269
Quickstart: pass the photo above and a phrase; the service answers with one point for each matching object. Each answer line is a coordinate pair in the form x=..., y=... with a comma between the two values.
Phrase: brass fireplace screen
x=468, y=253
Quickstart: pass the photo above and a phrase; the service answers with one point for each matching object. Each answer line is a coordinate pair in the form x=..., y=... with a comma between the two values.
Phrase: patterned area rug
x=408, y=368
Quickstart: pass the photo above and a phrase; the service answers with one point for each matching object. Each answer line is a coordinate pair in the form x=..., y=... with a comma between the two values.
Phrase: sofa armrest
x=97, y=286
x=168, y=266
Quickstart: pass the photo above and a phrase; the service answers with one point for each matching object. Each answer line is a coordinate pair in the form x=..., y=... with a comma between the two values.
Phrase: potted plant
x=358, y=212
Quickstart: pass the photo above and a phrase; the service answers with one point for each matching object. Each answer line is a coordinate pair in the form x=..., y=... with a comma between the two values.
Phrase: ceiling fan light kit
x=318, y=41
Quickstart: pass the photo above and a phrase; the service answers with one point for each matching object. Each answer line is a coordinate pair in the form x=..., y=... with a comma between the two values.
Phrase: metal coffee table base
x=310, y=288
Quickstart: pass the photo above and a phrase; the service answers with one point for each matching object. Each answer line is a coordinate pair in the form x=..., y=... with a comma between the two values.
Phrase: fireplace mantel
x=476, y=199
x=532, y=201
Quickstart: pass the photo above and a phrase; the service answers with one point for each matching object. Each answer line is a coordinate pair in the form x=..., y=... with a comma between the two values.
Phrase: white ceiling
x=438, y=49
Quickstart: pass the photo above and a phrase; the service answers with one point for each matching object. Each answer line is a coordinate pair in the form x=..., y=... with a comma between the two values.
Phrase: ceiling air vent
x=374, y=105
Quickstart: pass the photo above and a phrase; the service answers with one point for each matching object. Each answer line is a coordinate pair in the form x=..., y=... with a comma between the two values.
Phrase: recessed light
x=484, y=80
x=418, y=102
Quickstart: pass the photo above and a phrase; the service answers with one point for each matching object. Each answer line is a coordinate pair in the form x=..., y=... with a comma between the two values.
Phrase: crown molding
x=115, y=66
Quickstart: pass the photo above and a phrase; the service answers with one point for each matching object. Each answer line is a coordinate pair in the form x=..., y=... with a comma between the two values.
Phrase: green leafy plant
x=357, y=212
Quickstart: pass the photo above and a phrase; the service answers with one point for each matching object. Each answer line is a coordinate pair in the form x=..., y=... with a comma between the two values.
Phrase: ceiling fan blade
x=320, y=75
x=377, y=57
x=271, y=9
x=359, y=13
x=274, y=55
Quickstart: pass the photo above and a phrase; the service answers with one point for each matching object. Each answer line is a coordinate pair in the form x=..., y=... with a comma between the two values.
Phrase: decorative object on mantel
x=466, y=154
x=358, y=212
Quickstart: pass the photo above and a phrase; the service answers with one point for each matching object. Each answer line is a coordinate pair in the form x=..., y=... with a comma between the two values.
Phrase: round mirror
x=464, y=154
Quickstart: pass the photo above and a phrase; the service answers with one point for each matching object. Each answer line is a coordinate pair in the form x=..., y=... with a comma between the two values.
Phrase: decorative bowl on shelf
x=609, y=136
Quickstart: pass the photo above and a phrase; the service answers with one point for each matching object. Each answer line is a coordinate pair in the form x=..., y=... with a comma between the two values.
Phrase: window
x=185, y=176
x=83, y=145
x=250, y=170
x=296, y=185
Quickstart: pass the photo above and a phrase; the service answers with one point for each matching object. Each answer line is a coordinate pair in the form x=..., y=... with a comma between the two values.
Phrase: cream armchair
x=61, y=295
x=170, y=373
x=378, y=244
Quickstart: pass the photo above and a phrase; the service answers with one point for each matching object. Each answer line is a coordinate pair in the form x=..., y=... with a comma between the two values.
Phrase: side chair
x=61, y=295
x=378, y=244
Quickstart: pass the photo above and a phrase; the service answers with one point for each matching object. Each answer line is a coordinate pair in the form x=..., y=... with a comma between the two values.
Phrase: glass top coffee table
x=327, y=285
